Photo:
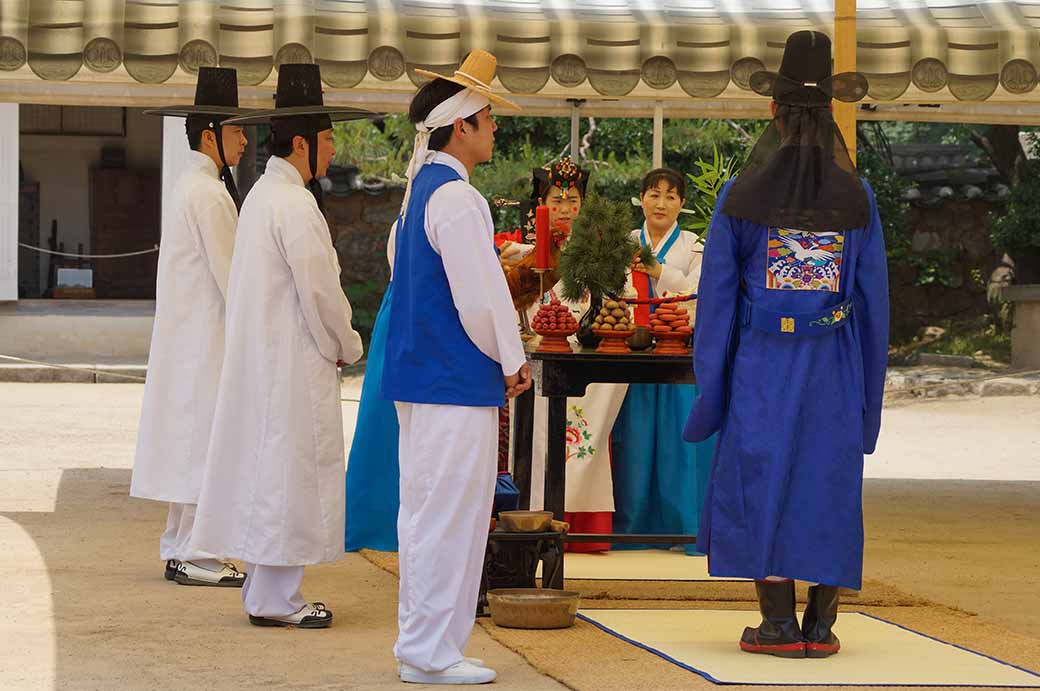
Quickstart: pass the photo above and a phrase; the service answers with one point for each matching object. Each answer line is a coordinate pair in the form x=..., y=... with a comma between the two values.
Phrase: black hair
x=195, y=139
x=279, y=146
x=429, y=97
x=673, y=178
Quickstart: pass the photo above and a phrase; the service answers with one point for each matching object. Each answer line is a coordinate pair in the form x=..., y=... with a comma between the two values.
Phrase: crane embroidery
x=803, y=260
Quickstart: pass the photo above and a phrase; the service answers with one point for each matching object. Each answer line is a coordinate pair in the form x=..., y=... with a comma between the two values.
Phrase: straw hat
x=476, y=73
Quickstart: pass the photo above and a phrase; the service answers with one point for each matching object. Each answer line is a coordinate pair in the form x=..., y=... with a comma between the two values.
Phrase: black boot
x=818, y=621
x=778, y=634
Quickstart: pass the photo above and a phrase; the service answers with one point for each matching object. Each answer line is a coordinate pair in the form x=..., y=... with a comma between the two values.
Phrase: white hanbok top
x=187, y=349
x=681, y=269
x=273, y=490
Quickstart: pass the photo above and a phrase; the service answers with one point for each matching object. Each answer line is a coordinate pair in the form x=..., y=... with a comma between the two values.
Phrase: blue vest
x=429, y=358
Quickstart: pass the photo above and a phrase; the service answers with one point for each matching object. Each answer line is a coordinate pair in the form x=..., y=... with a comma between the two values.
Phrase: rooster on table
x=561, y=187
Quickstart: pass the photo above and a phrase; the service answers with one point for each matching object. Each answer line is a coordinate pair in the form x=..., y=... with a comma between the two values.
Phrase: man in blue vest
x=453, y=354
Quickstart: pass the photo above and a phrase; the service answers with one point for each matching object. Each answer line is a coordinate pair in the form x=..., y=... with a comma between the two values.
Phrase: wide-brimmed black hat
x=216, y=94
x=805, y=78
x=299, y=94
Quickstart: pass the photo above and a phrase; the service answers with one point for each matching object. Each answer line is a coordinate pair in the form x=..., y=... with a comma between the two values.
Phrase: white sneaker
x=463, y=672
x=475, y=661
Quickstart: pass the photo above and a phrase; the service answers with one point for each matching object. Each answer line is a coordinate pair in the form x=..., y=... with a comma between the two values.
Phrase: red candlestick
x=641, y=281
x=542, y=238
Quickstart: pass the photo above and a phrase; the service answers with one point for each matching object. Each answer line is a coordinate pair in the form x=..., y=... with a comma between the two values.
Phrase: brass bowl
x=525, y=521
x=533, y=608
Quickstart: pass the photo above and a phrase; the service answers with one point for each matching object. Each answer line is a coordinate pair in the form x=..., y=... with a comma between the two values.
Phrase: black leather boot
x=818, y=621
x=778, y=634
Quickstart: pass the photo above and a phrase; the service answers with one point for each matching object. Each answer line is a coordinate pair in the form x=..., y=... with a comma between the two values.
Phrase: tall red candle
x=641, y=282
x=542, y=237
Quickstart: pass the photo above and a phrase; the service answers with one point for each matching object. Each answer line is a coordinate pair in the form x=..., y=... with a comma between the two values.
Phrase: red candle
x=641, y=282
x=542, y=238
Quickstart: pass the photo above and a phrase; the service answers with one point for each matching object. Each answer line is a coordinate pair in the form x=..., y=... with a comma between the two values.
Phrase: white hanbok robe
x=273, y=491
x=590, y=487
x=187, y=350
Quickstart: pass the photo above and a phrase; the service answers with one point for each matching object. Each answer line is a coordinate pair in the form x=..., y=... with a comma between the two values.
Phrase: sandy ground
x=86, y=607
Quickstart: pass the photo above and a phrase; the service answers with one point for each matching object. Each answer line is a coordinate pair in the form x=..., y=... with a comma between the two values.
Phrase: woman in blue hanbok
x=659, y=480
x=373, y=494
x=790, y=349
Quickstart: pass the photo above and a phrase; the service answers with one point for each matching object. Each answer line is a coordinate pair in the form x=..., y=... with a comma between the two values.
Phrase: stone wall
x=360, y=223
x=950, y=245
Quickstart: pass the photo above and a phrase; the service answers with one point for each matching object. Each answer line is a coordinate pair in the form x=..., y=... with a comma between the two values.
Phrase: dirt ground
x=85, y=606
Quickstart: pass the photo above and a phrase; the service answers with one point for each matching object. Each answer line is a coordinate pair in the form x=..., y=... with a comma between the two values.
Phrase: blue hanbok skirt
x=659, y=479
x=373, y=476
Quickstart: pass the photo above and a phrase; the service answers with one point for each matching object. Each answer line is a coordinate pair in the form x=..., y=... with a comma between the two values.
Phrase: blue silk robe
x=794, y=413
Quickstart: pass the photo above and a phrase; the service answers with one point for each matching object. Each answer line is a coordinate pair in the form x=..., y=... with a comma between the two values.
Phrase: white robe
x=273, y=489
x=198, y=234
x=590, y=484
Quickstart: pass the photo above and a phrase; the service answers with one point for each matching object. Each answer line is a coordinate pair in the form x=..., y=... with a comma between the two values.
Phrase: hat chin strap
x=313, y=185
x=225, y=171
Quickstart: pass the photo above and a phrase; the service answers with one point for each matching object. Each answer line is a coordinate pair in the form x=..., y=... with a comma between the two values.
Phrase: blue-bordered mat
x=874, y=652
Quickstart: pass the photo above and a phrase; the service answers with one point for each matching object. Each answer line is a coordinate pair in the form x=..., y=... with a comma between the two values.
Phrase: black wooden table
x=558, y=376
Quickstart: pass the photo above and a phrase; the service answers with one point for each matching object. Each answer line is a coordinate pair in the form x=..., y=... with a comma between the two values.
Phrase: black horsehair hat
x=805, y=78
x=298, y=95
x=216, y=94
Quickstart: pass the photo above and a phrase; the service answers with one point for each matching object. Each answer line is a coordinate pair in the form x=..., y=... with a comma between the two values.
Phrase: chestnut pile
x=613, y=316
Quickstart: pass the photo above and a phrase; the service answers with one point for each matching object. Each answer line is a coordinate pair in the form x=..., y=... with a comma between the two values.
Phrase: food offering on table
x=670, y=324
x=554, y=323
x=594, y=263
x=613, y=325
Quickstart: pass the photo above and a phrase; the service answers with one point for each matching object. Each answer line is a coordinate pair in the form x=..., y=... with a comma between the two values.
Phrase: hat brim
x=472, y=86
x=189, y=110
x=847, y=87
x=334, y=113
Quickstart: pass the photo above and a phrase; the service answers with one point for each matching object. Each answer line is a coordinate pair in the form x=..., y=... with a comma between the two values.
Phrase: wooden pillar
x=658, y=148
x=845, y=61
x=9, y=189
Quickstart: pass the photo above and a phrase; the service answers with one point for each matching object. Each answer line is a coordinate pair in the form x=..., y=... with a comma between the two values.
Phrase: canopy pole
x=658, y=157
x=9, y=202
x=575, y=127
x=845, y=61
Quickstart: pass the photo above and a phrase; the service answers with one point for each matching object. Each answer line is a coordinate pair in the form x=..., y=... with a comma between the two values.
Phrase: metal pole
x=658, y=134
x=845, y=61
x=575, y=128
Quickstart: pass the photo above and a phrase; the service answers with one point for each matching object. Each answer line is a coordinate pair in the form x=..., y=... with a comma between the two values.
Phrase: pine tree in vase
x=594, y=262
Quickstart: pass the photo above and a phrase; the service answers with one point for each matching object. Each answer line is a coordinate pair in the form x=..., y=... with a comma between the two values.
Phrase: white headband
x=460, y=106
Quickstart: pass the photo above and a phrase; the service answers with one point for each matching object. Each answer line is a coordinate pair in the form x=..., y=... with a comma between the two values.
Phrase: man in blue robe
x=790, y=350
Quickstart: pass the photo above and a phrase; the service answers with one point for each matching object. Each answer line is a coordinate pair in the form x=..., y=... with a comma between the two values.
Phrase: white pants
x=175, y=542
x=448, y=461
x=272, y=591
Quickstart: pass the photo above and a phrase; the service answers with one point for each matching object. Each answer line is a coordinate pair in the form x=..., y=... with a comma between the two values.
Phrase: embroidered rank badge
x=803, y=260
